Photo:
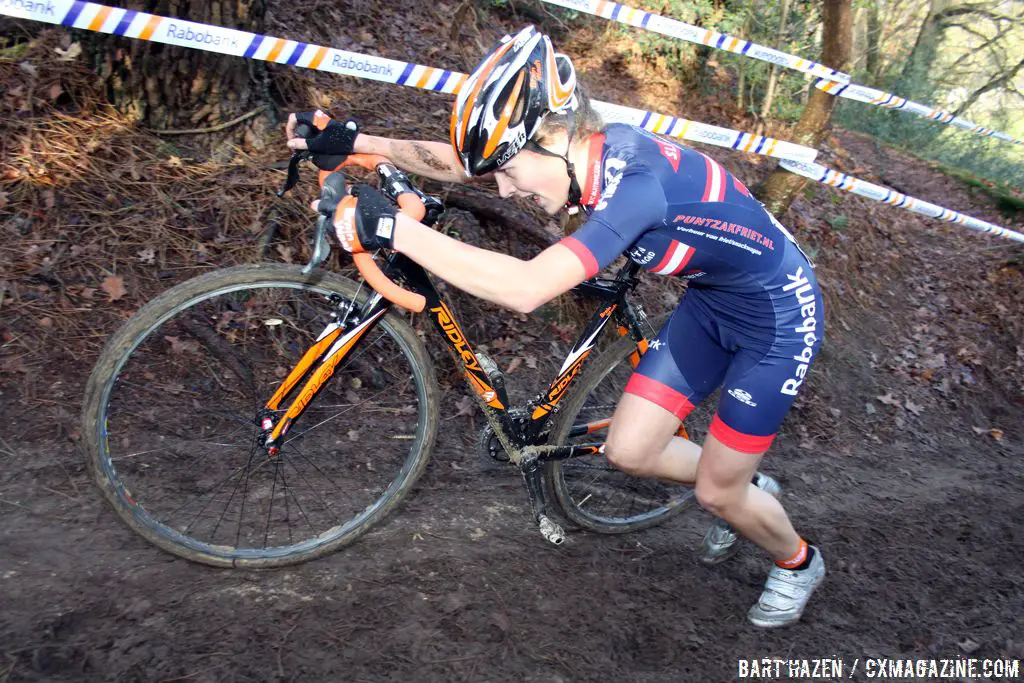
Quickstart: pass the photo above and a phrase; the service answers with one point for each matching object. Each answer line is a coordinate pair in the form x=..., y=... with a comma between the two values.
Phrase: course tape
x=861, y=93
x=696, y=34
x=831, y=81
x=889, y=196
x=130, y=24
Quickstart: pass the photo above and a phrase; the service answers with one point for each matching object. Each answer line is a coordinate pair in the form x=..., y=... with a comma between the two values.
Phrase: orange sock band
x=797, y=559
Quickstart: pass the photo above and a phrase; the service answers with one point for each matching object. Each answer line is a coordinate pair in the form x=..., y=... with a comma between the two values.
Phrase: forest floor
x=903, y=457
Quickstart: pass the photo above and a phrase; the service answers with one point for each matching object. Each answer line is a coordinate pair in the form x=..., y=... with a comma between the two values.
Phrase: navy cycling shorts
x=705, y=345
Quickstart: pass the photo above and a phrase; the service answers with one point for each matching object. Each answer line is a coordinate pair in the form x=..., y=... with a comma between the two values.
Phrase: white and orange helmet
x=504, y=100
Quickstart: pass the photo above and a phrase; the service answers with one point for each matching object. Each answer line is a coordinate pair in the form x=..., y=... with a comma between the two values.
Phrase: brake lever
x=321, y=247
x=293, y=170
x=331, y=194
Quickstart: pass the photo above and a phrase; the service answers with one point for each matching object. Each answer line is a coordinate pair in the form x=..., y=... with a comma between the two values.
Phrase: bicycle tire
x=572, y=501
x=189, y=295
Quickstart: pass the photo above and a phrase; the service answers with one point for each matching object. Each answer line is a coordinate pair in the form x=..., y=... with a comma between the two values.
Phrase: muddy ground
x=902, y=460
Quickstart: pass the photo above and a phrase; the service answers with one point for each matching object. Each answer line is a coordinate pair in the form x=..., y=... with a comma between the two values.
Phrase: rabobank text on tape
x=695, y=34
x=831, y=81
x=130, y=24
x=889, y=196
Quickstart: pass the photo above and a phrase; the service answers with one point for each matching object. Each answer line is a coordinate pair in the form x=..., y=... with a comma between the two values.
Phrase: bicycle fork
x=332, y=346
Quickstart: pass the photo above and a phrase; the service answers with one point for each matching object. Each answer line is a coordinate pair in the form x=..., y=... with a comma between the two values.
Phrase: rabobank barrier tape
x=861, y=93
x=696, y=34
x=892, y=197
x=685, y=129
x=831, y=81
x=130, y=24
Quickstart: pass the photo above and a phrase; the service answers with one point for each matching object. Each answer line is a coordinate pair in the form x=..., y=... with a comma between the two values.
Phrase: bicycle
x=188, y=424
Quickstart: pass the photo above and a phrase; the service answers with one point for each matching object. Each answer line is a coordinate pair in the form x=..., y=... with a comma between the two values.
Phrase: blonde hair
x=584, y=121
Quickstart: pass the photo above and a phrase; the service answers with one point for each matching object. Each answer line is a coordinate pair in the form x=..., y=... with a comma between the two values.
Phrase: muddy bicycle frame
x=522, y=437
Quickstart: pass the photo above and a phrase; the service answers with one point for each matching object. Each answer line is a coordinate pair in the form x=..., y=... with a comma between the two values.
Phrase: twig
x=212, y=129
x=38, y=514
x=280, y=646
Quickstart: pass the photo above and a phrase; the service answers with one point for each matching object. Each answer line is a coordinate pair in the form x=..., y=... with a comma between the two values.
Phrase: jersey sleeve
x=632, y=203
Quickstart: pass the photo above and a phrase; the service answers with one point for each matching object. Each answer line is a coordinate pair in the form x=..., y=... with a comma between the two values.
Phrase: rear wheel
x=591, y=492
x=173, y=409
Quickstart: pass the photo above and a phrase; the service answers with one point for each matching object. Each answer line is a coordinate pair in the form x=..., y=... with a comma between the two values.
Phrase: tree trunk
x=169, y=87
x=781, y=187
x=913, y=82
x=773, y=74
x=874, y=41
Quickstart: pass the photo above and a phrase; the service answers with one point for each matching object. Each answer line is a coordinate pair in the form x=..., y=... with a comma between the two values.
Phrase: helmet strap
x=575, y=193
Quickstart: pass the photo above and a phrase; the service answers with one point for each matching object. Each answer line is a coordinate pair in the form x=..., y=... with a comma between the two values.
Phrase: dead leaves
x=996, y=434
x=70, y=54
x=113, y=285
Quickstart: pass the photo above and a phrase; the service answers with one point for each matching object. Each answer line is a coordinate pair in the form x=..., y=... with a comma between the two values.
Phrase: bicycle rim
x=592, y=492
x=179, y=446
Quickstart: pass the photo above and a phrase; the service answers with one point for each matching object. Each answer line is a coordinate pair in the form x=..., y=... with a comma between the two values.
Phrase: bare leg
x=641, y=442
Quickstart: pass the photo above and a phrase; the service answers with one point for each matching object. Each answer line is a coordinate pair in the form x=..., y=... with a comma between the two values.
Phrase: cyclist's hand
x=329, y=140
x=365, y=221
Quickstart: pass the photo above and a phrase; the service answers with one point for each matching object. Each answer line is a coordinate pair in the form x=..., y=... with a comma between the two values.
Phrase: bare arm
x=499, y=278
x=435, y=160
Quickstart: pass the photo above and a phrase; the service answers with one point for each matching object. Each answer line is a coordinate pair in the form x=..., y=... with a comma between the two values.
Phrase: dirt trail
x=903, y=460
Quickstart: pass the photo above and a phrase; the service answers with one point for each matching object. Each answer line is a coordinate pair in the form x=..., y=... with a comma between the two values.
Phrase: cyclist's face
x=539, y=178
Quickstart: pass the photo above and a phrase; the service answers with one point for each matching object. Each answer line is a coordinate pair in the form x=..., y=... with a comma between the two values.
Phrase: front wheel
x=589, y=490
x=173, y=410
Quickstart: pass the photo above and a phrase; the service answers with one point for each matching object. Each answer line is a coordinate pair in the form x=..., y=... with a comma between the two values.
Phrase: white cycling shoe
x=786, y=593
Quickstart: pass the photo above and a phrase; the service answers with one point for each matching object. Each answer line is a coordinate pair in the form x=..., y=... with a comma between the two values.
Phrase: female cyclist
x=751, y=321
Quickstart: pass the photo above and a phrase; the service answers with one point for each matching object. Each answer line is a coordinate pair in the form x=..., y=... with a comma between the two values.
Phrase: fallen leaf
x=113, y=285
x=71, y=53
x=516, y=362
x=870, y=409
x=531, y=362
x=174, y=161
x=913, y=407
x=147, y=256
x=27, y=68
x=46, y=322
x=465, y=406
x=996, y=434
x=968, y=645
x=56, y=91
x=888, y=399
x=179, y=346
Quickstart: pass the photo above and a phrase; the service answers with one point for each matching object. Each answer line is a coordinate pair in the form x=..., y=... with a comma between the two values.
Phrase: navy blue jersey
x=752, y=315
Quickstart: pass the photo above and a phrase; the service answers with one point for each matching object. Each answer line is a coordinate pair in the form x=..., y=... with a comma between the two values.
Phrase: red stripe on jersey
x=585, y=256
x=669, y=253
x=686, y=259
x=592, y=183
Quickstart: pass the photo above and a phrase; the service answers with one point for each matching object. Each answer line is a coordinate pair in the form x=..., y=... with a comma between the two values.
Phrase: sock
x=801, y=559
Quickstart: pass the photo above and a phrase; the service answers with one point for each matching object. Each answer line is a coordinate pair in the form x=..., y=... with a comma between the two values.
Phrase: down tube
x=449, y=327
x=572, y=365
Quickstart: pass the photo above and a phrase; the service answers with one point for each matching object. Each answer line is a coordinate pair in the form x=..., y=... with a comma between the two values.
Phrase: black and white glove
x=365, y=220
x=329, y=140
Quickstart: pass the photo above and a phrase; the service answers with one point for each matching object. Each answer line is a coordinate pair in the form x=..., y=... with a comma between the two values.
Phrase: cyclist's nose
x=505, y=186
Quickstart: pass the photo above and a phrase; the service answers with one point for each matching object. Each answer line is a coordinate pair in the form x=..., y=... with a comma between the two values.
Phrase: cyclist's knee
x=631, y=458
x=718, y=500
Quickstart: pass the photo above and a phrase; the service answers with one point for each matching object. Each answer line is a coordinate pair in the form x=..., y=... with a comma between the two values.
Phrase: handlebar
x=411, y=205
x=394, y=183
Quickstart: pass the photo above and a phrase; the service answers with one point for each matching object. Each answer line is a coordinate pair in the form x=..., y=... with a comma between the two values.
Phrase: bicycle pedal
x=551, y=531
